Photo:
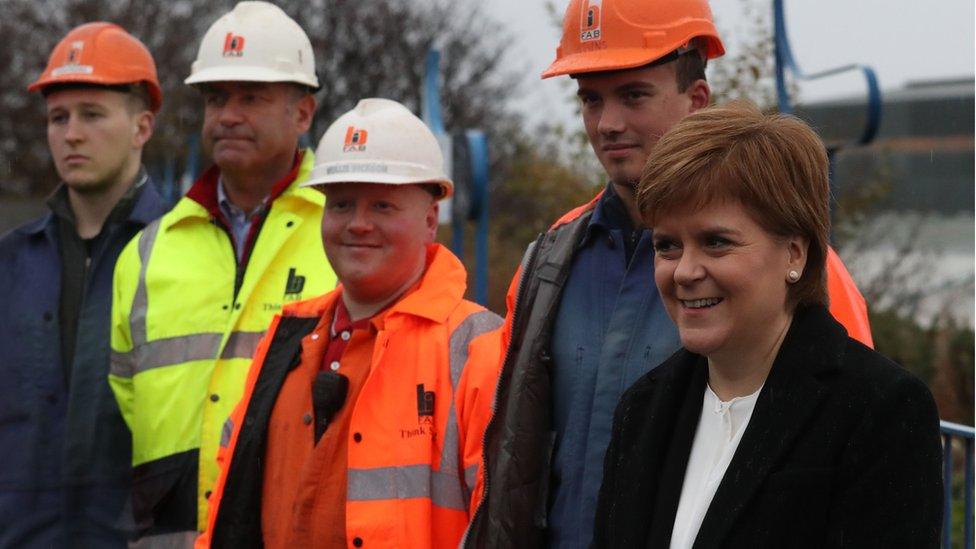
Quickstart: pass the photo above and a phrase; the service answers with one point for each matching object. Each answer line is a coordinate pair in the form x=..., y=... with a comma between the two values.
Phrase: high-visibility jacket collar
x=204, y=190
x=441, y=287
x=202, y=195
x=577, y=211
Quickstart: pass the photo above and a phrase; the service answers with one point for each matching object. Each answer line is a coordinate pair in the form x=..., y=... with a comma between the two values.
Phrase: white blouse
x=720, y=429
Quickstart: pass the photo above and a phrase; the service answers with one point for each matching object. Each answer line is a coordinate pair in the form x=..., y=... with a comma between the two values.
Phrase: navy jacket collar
x=149, y=205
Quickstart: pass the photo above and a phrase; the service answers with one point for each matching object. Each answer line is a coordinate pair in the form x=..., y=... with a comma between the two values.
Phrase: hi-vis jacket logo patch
x=294, y=285
x=590, y=24
x=425, y=416
x=425, y=405
x=233, y=45
x=355, y=139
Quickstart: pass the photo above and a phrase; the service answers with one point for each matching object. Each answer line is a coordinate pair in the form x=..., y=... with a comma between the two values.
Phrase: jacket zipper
x=524, y=275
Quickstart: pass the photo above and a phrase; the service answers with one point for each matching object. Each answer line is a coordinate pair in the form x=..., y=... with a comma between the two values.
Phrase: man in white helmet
x=195, y=291
x=362, y=418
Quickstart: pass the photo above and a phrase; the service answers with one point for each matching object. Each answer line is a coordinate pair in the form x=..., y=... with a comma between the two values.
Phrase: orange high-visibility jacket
x=402, y=492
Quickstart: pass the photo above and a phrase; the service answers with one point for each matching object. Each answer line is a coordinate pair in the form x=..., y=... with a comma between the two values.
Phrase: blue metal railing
x=965, y=435
x=786, y=62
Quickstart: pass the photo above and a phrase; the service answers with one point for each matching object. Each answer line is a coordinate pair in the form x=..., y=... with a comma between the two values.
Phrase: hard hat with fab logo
x=255, y=42
x=608, y=35
x=379, y=141
x=101, y=54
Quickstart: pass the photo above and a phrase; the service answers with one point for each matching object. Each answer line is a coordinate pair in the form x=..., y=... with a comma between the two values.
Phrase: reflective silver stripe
x=471, y=477
x=226, y=432
x=475, y=325
x=241, y=344
x=177, y=350
x=122, y=364
x=409, y=481
x=140, y=302
x=175, y=540
x=169, y=351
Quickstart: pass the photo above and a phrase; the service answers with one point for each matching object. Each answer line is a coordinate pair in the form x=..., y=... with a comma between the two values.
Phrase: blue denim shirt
x=611, y=329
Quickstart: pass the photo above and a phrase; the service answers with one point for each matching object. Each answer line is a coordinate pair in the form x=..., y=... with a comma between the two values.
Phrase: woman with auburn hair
x=770, y=427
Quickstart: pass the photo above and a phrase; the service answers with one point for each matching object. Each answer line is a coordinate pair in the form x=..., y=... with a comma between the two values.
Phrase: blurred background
x=904, y=208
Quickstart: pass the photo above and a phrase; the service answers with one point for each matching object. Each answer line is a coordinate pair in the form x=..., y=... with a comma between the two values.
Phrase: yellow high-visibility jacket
x=186, y=319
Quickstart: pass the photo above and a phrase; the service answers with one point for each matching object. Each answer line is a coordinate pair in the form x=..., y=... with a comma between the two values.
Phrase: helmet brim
x=446, y=185
x=615, y=59
x=247, y=74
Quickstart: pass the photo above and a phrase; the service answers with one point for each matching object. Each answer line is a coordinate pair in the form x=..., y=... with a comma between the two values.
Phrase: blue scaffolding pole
x=476, y=171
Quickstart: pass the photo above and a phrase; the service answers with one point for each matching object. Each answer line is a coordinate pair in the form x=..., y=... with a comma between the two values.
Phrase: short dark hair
x=138, y=98
x=775, y=165
x=689, y=68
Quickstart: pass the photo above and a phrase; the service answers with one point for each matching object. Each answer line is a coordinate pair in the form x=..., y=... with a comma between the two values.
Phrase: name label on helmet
x=72, y=69
x=369, y=167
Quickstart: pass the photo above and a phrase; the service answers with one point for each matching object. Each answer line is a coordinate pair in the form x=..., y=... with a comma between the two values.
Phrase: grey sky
x=903, y=40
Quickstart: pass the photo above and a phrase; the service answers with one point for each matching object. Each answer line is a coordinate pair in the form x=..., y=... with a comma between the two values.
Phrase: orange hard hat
x=101, y=54
x=608, y=35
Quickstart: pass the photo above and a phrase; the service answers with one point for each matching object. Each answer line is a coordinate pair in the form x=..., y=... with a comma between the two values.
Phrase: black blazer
x=842, y=450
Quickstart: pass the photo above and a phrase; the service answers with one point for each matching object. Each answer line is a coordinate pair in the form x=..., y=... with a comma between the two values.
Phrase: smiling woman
x=771, y=427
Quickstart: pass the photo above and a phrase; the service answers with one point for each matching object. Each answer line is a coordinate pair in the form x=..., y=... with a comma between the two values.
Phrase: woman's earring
x=792, y=276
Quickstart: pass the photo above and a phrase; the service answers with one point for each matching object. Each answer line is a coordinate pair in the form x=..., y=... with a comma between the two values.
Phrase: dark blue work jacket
x=65, y=453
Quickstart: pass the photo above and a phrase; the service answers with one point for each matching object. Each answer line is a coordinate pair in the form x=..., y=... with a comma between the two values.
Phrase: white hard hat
x=255, y=42
x=379, y=141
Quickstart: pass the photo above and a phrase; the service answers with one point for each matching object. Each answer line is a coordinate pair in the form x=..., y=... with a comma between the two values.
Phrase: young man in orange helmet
x=65, y=449
x=585, y=319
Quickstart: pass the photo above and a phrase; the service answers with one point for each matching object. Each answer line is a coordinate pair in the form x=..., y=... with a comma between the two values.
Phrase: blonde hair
x=774, y=165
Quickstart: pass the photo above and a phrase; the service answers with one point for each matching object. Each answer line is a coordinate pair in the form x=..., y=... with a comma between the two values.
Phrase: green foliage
x=903, y=341
x=747, y=70
x=958, y=511
x=941, y=356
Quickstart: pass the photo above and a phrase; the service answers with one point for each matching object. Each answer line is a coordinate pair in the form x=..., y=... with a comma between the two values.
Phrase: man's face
x=626, y=112
x=248, y=126
x=376, y=236
x=92, y=134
